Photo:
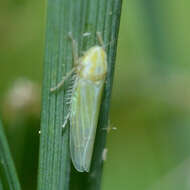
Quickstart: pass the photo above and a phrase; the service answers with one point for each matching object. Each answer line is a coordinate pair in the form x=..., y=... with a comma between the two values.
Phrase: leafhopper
x=85, y=100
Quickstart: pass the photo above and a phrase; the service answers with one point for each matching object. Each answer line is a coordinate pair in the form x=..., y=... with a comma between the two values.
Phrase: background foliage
x=150, y=102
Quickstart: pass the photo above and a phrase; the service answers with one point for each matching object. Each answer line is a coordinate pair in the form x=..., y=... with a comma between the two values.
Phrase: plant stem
x=8, y=176
x=83, y=18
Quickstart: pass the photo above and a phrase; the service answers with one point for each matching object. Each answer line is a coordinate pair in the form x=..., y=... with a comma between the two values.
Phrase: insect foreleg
x=76, y=62
x=74, y=50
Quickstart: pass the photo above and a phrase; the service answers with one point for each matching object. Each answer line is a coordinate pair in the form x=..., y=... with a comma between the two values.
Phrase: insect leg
x=60, y=84
x=74, y=50
x=104, y=154
x=76, y=62
x=98, y=34
x=109, y=127
x=101, y=42
x=66, y=120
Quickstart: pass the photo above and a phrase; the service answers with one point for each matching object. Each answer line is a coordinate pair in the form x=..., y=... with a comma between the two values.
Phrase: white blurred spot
x=86, y=34
x=21, y=99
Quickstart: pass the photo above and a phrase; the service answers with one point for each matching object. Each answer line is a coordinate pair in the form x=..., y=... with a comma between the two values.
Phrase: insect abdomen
x=85, y=106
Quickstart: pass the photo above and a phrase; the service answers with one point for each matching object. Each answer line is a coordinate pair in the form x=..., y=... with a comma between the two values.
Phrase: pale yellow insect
x=85, y=103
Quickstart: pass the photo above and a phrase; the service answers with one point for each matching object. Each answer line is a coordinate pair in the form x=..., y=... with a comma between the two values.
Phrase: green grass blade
x=77, y=17
x=8, y=176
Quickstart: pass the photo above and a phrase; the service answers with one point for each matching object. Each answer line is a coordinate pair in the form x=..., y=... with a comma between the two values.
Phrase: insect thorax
x=93, y=65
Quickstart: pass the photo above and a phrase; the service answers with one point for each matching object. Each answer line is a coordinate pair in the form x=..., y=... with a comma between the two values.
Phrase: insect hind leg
x=66, y=120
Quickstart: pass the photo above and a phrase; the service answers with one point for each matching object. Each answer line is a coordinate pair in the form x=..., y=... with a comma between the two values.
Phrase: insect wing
x=85, y=106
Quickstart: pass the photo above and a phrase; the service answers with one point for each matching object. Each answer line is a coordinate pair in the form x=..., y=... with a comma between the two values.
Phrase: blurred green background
x=150, y=103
